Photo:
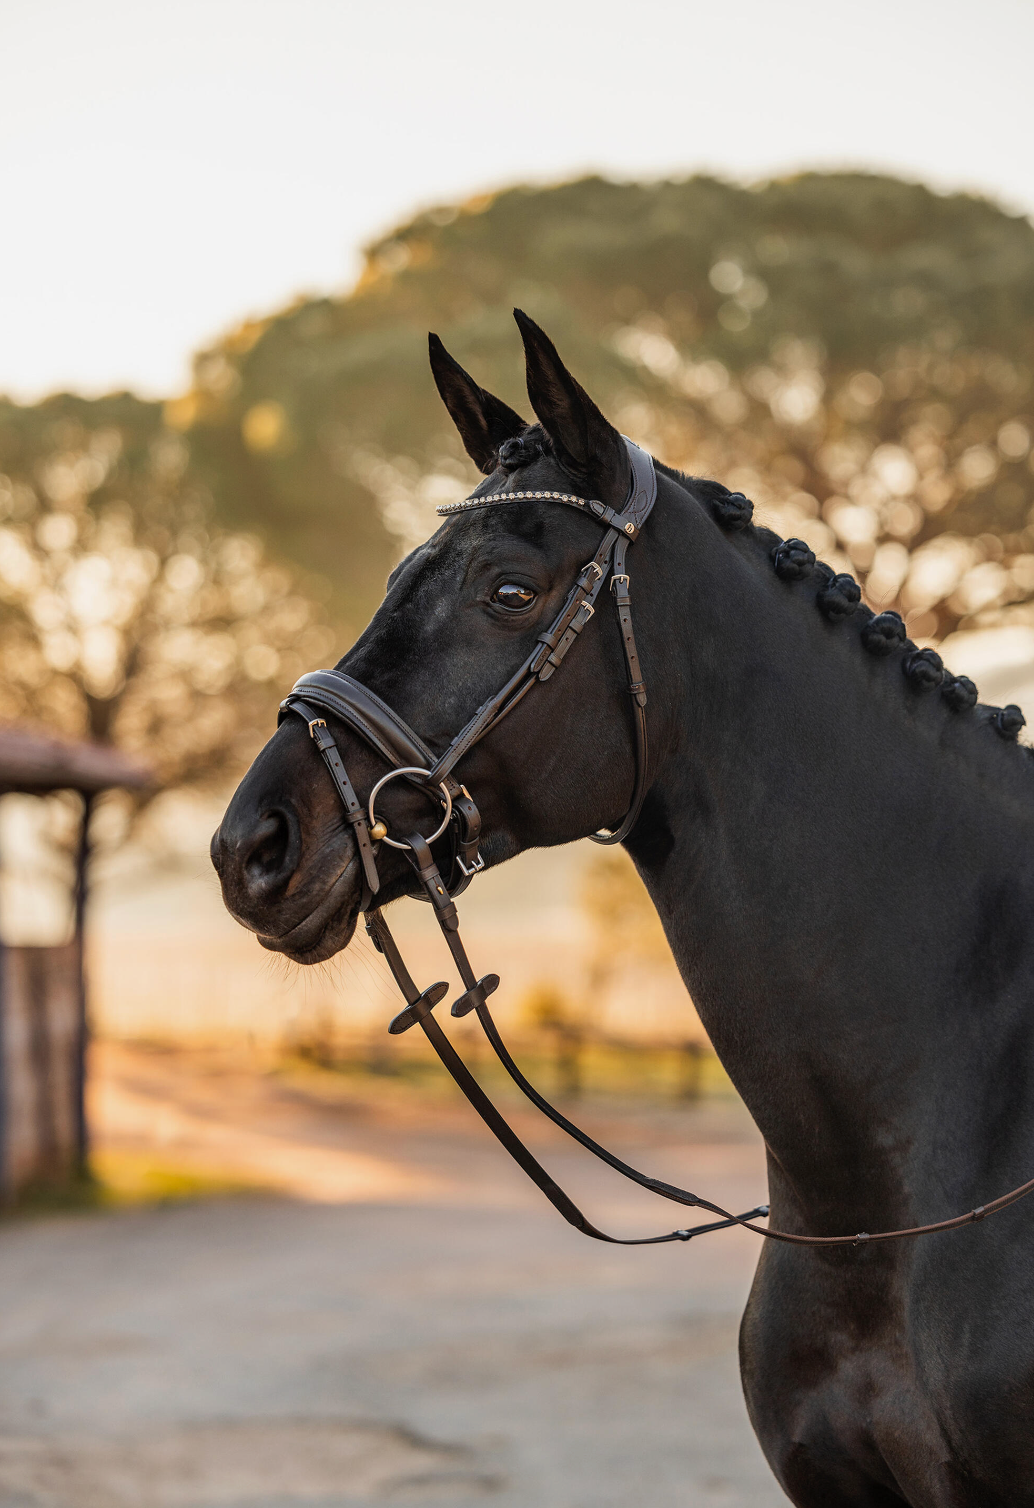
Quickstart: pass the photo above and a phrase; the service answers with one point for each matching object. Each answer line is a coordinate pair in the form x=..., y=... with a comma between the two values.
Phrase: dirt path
x=401, y=1321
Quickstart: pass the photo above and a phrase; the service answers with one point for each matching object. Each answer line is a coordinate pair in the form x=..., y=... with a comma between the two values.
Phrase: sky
x=168, y=169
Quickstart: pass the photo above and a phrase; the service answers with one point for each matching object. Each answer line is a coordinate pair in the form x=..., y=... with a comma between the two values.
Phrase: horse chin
x=327, y=929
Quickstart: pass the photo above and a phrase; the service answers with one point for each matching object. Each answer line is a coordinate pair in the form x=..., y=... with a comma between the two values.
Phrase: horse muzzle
x=301, y=898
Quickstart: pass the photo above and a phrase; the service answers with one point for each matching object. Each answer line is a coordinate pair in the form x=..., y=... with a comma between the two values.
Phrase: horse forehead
x=443, y=563
x=426, y=582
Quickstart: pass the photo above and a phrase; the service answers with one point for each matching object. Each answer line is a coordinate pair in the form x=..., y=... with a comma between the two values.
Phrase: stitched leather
x=363, y=710
x=354, y=812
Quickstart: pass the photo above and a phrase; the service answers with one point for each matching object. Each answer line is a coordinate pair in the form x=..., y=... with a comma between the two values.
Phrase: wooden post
x=569, y=1044
x=692, y=1056
x=5, y=1186
x=82, y=863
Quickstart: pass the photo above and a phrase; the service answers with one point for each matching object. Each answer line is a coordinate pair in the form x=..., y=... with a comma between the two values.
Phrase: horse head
x=461, y=614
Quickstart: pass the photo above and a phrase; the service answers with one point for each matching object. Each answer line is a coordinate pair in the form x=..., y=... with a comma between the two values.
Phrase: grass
x=593, y=1068
x=124, y=1179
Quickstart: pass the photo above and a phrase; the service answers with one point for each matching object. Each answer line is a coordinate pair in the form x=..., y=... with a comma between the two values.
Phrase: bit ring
x=409, y=769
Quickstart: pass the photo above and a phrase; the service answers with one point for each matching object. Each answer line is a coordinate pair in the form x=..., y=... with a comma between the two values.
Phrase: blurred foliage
x=854, y=351
x=126, y=616
x=627, y=942
x=121, y=1178
x=546, y=1007
x=624, y=925
x=551, y=1014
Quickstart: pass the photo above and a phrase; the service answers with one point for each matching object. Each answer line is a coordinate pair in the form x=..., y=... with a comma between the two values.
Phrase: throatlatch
x=410, y=759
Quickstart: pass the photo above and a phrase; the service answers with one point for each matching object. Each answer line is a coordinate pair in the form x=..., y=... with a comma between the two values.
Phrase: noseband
x=410, y=759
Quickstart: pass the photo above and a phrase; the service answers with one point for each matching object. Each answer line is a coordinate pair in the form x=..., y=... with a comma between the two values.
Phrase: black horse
x=841, y=850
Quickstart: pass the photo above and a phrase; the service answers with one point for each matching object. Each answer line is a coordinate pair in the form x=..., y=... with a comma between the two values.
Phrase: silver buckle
x=476, y=867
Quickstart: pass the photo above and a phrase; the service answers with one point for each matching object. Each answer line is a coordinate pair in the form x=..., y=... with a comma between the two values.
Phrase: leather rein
x=409, y=758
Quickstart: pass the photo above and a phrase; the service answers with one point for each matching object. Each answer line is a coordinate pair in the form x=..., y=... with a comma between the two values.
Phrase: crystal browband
x=495, y=498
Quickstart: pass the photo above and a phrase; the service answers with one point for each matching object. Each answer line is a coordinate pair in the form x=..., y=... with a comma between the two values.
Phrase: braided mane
x=839, y=597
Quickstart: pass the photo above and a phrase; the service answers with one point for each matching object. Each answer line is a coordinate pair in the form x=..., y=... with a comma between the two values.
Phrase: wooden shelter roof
x=36, y=763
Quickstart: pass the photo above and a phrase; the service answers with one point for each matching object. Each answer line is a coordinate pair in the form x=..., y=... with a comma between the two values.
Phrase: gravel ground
x=448, y=1342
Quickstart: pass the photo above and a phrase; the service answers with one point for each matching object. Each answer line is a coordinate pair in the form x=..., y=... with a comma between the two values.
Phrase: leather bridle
x=409, y=758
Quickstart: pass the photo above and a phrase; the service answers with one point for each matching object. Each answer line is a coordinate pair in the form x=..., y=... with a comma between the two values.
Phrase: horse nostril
x=269, y=855
x=215, y=851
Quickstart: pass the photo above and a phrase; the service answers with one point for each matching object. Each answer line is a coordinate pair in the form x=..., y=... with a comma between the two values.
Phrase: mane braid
x=839, y=597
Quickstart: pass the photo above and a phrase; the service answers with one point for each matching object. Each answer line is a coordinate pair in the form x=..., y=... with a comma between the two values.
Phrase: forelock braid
x=523, y=450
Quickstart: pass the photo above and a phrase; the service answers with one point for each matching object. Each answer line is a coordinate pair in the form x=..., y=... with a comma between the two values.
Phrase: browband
x=640, y=500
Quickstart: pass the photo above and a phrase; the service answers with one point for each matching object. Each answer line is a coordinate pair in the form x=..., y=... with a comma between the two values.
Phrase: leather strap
x=629, y=519
x=324, y=741
x=419, y=1011
x=620, y=585
x=643, y=491
x=656, y=1186
x=491, y=713
x=364, y=712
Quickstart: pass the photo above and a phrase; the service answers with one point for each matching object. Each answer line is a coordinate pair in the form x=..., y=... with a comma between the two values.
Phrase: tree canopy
x=854, y=351
x=126, y=614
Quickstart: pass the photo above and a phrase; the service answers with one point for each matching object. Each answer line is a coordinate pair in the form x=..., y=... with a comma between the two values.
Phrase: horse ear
x=586, y=441
x=484, y=421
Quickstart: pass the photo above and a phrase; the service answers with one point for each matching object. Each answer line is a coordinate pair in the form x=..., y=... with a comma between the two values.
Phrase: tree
x=916, y=476
x=854, y=351
x=126, y=616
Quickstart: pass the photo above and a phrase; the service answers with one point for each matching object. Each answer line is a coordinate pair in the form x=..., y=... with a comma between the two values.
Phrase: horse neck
x=841, y=870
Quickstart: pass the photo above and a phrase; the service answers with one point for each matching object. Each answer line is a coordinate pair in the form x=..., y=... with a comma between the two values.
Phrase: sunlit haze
x=170, y=169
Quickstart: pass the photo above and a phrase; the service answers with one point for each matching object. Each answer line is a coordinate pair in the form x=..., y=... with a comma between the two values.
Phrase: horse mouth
x=327, y=928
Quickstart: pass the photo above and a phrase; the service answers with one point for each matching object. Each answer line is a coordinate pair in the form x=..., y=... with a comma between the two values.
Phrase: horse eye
x=513, y=596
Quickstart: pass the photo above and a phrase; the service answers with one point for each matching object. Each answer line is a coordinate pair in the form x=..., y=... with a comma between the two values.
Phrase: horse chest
x=863, y=1390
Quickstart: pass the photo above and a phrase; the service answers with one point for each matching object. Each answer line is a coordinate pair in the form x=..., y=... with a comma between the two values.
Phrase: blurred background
x=790, y=248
